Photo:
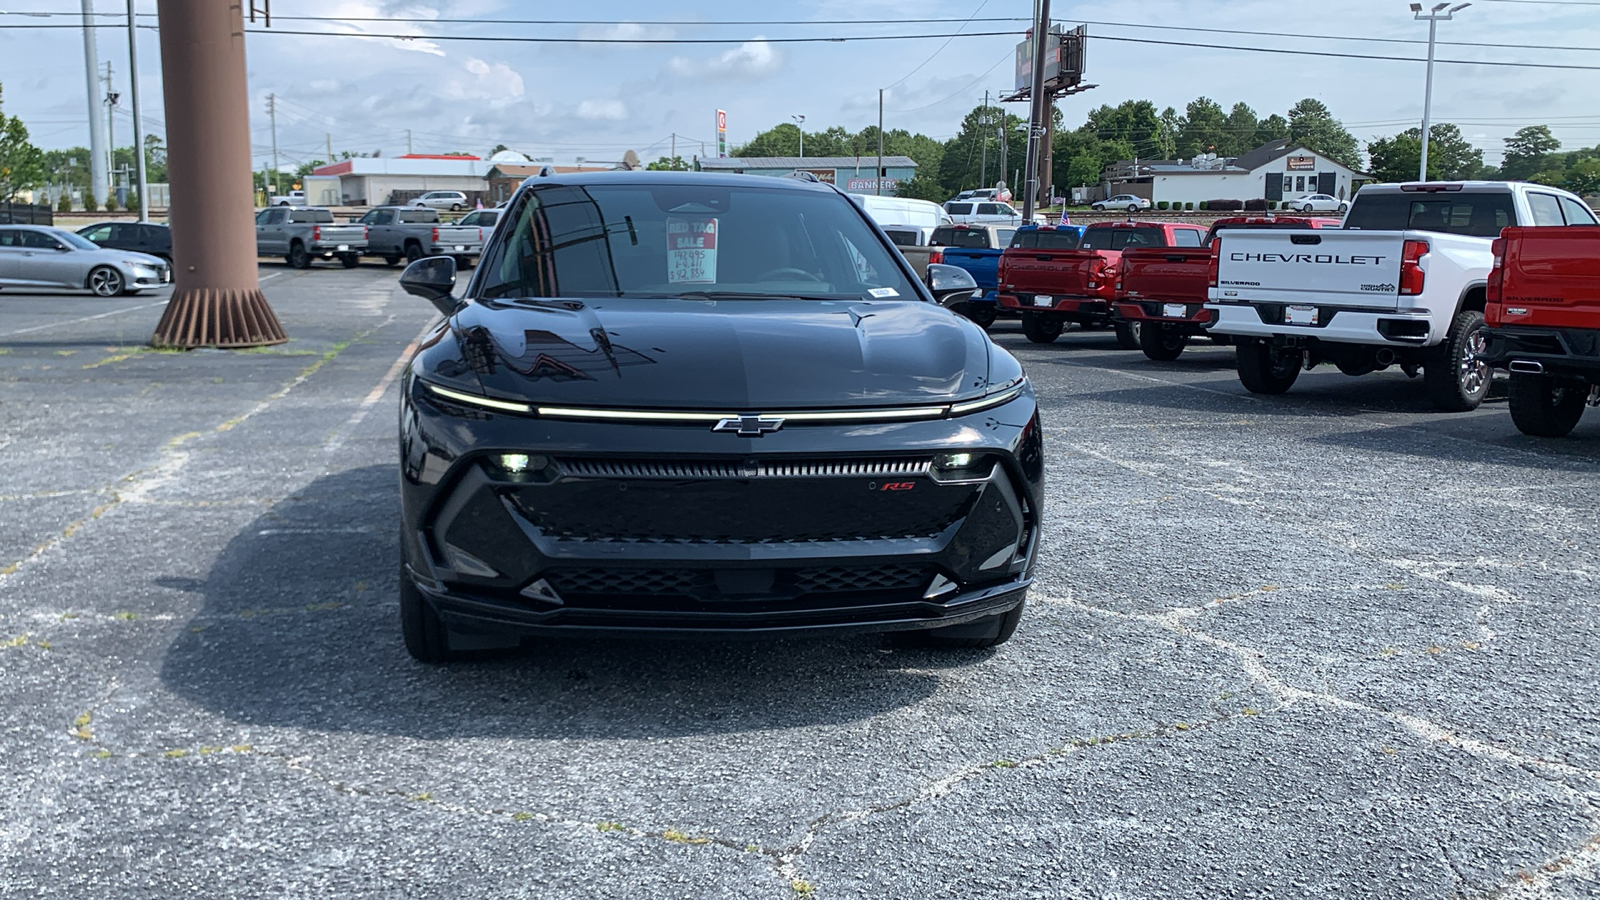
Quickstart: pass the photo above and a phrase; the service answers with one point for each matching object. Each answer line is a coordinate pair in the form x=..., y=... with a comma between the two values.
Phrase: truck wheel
x=1127, y=335
x=1160, y=343
x=982, y=313
x=413, y=252
x=1544, y=406
x=1265, y=369
x=1041, y=329
x=350, y=260
x=1455, y=380
x=298, y=257
x=391, y=260
x=1221, y=340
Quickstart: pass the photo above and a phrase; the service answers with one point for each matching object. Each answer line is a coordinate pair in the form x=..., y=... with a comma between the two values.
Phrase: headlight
x=995, y=398
x=962, y=465
x=478, y=400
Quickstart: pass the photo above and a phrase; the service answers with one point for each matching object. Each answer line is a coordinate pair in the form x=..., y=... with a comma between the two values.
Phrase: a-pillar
x=217, y=300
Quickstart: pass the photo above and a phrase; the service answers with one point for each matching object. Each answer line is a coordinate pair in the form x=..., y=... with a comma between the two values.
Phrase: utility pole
x=272, y=112
x=111, y=132
x=983, y=130
x=673, y=161
x=138, y=123
x=97, y=137
x=409, y=151
x=330, y=146
x=1038, y=106
x=1005, y=148
x=1433, y=18
x=877, y=179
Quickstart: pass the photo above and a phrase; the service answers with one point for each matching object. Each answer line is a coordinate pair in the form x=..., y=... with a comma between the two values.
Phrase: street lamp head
x=1459, y=7
x=1437, y=7
x=1416, y=8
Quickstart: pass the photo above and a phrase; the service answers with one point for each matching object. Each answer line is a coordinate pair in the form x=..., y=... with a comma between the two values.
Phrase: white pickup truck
x=1402, y=283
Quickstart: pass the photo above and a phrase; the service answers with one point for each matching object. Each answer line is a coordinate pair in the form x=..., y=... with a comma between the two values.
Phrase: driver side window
x=38, y=240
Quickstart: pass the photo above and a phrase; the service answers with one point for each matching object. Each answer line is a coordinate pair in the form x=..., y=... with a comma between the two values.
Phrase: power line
x=1331, y=54
x=507, y=39
x=957, y=93
x=938, y=51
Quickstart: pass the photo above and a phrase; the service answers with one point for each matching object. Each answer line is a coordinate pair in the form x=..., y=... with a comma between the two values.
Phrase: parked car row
x=1447, y=281
x=302, y=235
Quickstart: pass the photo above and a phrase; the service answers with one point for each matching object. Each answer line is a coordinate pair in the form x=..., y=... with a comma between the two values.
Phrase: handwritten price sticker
x=691, y=251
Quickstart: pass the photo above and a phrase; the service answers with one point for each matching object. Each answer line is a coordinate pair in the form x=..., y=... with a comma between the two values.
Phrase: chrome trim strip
x=989, y=402
x=725, y=469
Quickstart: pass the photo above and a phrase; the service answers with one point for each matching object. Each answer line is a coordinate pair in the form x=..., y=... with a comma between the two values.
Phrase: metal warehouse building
x=852, y=173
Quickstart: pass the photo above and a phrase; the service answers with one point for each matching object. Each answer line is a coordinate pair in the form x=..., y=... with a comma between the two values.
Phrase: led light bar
x=480, y=401
x=997, y=399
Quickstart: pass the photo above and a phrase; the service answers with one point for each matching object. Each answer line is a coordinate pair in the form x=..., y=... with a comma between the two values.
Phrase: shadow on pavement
x=1480, y=439
x=300, y=629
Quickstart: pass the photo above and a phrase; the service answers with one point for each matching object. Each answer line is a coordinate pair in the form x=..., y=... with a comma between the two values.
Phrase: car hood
x=109, y=254
x=733, y=355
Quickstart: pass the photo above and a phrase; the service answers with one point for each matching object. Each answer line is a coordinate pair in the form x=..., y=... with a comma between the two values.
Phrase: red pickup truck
x=1161, y=291
x=1542, y=310
x=1053, y=287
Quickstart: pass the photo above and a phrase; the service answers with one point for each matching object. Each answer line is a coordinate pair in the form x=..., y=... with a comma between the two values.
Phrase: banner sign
x=1302, y=163
x=871, y=184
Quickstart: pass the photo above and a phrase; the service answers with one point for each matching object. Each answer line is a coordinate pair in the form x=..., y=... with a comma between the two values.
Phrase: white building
x=377, y=180
x=1270, y=172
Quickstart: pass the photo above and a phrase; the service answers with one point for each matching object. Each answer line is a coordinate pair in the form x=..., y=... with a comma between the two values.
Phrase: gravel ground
x=1331, y=644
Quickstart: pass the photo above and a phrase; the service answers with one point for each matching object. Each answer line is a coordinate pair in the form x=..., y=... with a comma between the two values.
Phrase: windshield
x=689, y=240
x=77, y=241
x=1046, y=240
x=1480, y=214
x=1121, y=238
x=311, y=217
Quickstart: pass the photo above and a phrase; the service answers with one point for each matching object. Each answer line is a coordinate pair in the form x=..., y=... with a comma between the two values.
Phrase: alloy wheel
x=1474, y=373
x=105, y=282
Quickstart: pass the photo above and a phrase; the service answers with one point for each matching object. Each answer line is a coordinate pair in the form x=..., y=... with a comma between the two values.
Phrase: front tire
x=393, y=260
x=990, y=631
x=1344, y=208
x=1264, y=369
x=298, y=257
x=1041, y=329
x=424, y=632
x=1543, y=406
x=1455, y=380
x=1128, y=335
x=106, y=281
x=1160, y=343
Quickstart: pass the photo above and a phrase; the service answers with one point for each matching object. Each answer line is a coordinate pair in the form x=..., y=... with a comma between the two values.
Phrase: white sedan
x=1316, y=203
x=39, y=256
x=1121, y=201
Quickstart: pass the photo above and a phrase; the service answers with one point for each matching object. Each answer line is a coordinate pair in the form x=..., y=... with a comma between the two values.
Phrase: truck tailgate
x=982, y=265
x=341, y=234
x=1550, y=276
x=1064, y=272
x=1178, y=274
x=460, y=234
x=1359, y=269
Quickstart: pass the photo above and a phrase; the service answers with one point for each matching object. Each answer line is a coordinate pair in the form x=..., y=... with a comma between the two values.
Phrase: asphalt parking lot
x=1331, y=644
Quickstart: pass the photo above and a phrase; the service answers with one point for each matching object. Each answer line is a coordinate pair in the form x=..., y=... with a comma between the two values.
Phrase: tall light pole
x=798, y=122
x=1441, y=12
x=138, y=123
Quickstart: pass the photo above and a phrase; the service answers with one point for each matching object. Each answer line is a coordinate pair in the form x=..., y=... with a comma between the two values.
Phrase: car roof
x=717, y=179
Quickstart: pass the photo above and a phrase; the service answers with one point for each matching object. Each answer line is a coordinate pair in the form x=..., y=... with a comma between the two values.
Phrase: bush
x=1162, y=204
x=1225, y=204
x=1205, y=204
x=111, y=203
x=1259, y=205
x=88, y=202
x=1189, y=205
x=133, y=203
x=65, y=203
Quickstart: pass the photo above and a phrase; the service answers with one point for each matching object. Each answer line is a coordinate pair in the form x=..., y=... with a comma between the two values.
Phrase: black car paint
x=726, y=357
x=146, y=237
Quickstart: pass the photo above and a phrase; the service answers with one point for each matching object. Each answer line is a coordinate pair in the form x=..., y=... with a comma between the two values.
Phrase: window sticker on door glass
x=691, y=250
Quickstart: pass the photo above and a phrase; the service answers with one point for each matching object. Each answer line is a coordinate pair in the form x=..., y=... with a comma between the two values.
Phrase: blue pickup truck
x=977, y=249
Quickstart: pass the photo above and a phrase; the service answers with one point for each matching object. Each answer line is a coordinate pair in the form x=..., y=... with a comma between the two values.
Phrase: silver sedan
x=39, y=256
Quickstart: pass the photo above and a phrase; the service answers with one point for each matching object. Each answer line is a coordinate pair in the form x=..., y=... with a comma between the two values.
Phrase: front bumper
x=1336, y=325
x=1562, y=352
x=794, y=532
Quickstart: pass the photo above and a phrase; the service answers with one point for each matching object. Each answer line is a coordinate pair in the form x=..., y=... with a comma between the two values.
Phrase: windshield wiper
x=751, y=295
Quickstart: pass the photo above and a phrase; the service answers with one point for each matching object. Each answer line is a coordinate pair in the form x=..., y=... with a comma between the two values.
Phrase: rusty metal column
x=217, y=301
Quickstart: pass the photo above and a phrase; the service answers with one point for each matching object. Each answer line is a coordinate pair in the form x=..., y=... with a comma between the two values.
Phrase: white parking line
x=337, y=439
x=115, y=312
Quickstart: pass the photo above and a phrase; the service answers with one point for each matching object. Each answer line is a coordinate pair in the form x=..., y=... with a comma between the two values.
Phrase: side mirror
x=951, y=286
x=63, y=248
x=434, y=280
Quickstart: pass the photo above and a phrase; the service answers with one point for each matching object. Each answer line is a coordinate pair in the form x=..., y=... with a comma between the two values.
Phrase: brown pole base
x=211, y=317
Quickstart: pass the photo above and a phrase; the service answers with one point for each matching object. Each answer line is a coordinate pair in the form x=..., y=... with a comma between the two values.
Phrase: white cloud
x=624, y=32
x=602, y=111
x=496, y=84
x=751, y=59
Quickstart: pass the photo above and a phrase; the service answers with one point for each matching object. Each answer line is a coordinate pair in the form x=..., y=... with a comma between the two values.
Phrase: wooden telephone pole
x=217, y=301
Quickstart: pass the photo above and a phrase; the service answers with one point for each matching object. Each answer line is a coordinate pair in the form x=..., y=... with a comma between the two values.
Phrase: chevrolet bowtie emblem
x=749, y=426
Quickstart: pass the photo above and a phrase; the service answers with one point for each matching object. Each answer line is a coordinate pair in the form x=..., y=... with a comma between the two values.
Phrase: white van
x=900, y=214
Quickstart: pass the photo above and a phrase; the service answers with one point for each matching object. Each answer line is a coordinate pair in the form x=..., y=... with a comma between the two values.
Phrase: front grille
x=575, y=584
x=740, y=469
x=722, y=502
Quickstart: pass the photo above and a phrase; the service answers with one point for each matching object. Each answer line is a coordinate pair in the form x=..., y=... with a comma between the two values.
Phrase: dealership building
x=1274, y=171
x=377, y=180
x=853, y=174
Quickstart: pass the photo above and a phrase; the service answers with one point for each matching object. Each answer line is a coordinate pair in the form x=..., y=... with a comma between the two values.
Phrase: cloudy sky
x=596, y=100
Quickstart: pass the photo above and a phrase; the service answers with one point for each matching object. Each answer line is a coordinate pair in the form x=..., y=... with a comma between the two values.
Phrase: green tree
x=663, y=164
x=1134, y=122
x=21, y=163
x=1312, y=125
x=923, y=186
x=1272, y=128
x=1241, y=127
x=1203, y=128
x=498, y=148
x=1450, y=156
x=1583, y=178
x=962, y=157
x=1528, y=151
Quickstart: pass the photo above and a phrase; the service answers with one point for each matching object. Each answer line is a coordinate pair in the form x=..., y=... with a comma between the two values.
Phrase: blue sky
x=597, y=100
